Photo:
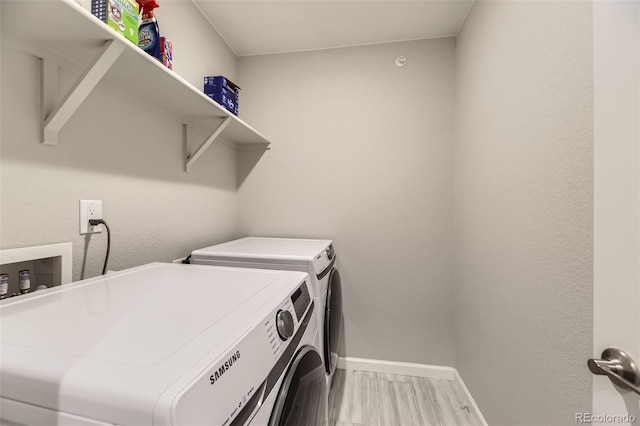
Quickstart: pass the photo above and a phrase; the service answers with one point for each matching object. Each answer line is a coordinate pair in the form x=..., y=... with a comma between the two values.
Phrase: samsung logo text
x=224, y=367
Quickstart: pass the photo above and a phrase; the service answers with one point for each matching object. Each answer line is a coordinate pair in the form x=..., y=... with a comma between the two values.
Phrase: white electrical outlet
x=90, y=209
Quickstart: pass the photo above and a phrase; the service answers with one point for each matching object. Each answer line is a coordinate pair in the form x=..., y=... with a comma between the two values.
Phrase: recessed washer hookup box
x=223, y=91
x=121, y=15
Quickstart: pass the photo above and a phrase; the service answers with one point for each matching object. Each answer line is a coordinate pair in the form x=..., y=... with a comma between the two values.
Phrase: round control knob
x=284, y=324
x=330, y=252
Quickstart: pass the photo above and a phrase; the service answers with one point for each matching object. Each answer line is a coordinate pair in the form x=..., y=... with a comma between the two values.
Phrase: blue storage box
x=226, y=99
x=214, y=84
x=223, y=91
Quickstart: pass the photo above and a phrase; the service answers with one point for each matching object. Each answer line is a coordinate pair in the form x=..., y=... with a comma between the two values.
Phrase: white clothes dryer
x=164, y=344
x=316, y=257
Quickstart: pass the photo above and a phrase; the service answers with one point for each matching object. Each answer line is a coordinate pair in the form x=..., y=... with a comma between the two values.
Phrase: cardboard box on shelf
x=121, y=15
x=166, y=52
x=223, y=91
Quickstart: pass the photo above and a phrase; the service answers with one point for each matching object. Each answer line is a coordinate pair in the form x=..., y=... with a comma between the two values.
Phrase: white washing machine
x=164, y=344
x=316, y=257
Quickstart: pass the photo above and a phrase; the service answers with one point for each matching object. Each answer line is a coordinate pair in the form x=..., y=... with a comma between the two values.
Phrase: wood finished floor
x=360, y=398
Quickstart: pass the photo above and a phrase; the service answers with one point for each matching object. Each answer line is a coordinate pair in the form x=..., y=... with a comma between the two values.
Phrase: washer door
x=302, y=399
x=332, y=321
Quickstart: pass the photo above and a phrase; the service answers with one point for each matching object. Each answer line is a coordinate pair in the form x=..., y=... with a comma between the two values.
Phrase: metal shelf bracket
x=56, y=114
x=191, y=157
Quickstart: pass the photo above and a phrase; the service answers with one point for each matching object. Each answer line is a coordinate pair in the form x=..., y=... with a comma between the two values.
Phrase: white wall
x=617, y=194
x=363, y=155
x=121, y=150
x=523, y=210
x=198, y=49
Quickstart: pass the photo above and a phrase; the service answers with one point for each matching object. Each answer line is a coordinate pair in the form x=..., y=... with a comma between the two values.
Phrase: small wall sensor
x=401, y=61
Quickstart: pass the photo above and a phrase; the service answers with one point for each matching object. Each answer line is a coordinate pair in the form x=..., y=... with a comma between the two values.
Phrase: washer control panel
x=301, y=299
x=284, y=324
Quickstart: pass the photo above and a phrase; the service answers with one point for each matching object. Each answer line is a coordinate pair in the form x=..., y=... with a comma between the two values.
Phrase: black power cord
x=94, y=222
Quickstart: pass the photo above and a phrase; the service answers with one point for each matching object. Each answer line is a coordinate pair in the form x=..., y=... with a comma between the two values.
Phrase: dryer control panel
x=323, y=259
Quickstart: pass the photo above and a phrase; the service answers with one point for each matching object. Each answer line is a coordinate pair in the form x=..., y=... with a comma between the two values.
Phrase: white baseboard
x=392, y=367
x=416, y=370
x=475, y=411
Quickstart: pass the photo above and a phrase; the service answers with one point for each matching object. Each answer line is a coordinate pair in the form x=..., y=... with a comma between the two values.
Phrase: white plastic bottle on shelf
x=25, y=281
x=4, y=285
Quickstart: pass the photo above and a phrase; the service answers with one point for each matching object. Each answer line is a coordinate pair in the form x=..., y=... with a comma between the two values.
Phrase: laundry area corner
x=371, y=213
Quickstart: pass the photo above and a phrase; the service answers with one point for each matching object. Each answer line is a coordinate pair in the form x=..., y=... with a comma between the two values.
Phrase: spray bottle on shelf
x=148, y=32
